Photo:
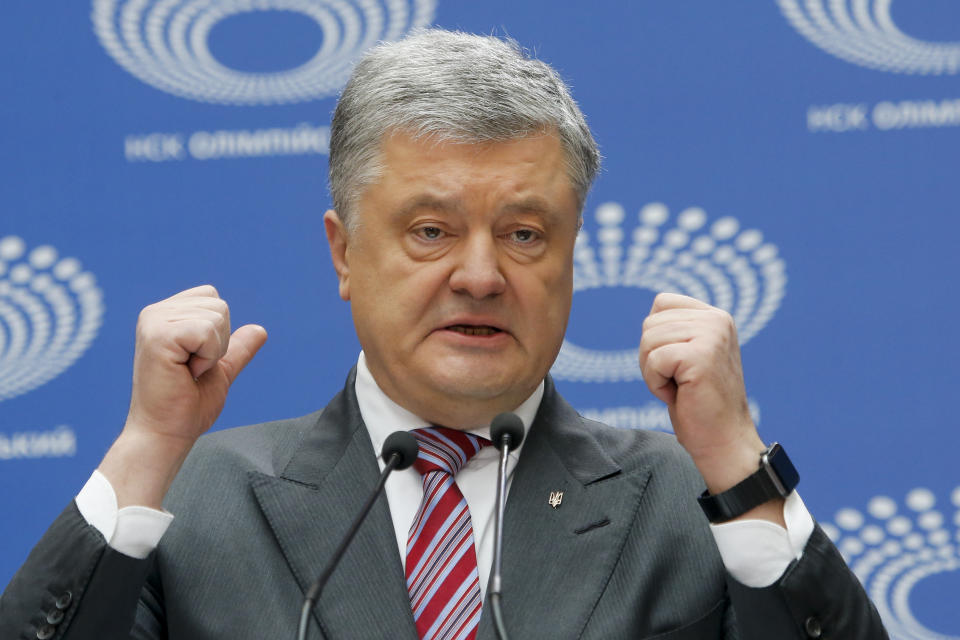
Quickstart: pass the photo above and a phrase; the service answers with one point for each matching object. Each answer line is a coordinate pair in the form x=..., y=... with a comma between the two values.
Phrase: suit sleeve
x=73, y=586
x=817, y=597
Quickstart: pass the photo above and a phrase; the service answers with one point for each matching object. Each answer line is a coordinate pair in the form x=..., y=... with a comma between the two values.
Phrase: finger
x=194, y=334
x=176, y=315
x=199, y=365
x=174, y=310
x=211, y=309
x=674, y=332
x=190, y=302
x=204, y=290
x=244, y=344
x=669, y=316
x=201, y=342
x=709, y=322
x=665, y=301
x=660, y=371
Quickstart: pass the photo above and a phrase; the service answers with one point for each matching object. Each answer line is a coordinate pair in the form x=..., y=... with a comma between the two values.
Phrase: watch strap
x=775, y=478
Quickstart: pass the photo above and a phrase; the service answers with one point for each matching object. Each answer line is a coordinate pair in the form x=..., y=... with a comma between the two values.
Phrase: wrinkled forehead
x=433, y=144
x=524, y=172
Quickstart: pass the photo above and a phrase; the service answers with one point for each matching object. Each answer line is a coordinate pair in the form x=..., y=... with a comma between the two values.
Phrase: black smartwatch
x=775, y=478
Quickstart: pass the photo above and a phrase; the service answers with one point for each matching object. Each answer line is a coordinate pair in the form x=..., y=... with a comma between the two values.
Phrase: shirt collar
x=383, y=416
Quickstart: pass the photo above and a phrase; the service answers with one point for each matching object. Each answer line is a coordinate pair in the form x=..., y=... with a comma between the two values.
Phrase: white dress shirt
x=755, y=552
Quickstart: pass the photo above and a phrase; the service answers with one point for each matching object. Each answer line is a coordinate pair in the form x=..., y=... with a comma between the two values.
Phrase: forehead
x=520, y=174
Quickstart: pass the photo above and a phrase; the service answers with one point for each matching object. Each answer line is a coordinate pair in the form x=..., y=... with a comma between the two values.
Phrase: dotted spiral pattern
x=720, y=264
x=164, y=43
x=50, y=312
x=864, y=33
x=892, y=548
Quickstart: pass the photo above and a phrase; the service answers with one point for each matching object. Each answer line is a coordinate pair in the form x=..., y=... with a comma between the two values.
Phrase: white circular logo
x=863, y=32
x=721, y=264
x=50, y=311
x=164, y=43
x=891, y=548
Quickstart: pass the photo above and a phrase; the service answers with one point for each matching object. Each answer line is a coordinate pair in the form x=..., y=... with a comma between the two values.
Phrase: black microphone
x=399, y=452
x=506, y=431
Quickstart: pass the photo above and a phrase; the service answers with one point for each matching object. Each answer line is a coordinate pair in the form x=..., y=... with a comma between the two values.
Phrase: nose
x=477, y=272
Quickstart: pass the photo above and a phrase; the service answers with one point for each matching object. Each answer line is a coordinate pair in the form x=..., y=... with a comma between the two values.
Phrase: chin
x=477, y=376
x=481, y=383
x=472, y=388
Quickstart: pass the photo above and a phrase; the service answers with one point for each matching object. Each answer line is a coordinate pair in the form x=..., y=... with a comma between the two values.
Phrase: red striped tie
x=441, y=568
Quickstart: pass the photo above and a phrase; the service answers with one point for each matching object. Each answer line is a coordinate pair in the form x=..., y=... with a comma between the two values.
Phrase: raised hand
x=690, y=359
x=185, y=361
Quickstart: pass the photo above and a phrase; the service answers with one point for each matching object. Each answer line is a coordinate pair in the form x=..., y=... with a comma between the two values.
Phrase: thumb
x=244, y=344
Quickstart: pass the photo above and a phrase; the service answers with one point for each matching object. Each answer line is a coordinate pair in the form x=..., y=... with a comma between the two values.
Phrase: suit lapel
x=311, y=506
x=557, y=561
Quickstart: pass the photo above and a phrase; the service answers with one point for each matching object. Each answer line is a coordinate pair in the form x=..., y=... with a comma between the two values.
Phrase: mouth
x=474, y=330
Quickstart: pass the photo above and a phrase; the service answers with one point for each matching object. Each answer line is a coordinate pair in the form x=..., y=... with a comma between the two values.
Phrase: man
x=459, y=169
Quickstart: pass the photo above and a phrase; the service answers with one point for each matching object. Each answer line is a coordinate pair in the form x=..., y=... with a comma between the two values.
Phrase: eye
x=430, y=233
x=524, y=236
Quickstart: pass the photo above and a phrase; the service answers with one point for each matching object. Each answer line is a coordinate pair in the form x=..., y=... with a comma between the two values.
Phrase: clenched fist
x=185, y=361
x=690, y=359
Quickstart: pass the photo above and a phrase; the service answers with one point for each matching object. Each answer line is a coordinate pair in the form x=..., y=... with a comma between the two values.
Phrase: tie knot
x=444, y=449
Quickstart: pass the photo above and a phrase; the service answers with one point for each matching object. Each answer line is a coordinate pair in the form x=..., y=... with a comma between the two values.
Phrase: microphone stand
x=495, y=586
x=507, y=433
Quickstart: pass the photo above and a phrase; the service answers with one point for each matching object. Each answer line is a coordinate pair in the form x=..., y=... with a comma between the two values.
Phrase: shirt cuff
x=757, y=552
x=133, y=531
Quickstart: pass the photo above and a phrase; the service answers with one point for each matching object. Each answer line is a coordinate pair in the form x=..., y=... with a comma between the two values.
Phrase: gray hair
x=450, y=87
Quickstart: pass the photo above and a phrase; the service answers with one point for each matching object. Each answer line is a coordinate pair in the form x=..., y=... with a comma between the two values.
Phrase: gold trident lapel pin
x=556, y=497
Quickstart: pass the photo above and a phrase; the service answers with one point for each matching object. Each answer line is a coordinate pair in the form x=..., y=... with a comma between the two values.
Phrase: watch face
x=783, y=468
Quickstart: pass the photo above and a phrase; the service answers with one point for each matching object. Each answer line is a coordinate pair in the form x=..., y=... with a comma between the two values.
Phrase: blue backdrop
x=794, y=162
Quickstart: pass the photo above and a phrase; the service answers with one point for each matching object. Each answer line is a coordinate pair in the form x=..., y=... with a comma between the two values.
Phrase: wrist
x=141, y=466
x=758, y=496
x=724, y=468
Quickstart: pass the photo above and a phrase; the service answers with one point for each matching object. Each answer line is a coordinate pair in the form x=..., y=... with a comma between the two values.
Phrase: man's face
x=460, y=273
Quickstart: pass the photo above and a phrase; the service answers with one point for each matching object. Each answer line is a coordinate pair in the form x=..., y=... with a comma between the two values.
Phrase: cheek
x=546, y=299
x=399, y=294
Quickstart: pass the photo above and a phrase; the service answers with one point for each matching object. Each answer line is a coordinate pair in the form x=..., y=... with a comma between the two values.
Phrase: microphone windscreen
x=404, y=445
x=507, y=424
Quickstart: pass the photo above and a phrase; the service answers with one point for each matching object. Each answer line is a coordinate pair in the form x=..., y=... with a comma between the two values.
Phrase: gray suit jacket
x=260, y=509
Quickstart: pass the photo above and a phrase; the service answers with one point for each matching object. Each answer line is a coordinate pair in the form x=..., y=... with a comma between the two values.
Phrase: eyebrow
x=532, y=204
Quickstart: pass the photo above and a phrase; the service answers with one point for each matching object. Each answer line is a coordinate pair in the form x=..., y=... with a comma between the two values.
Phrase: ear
x=337, y=238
